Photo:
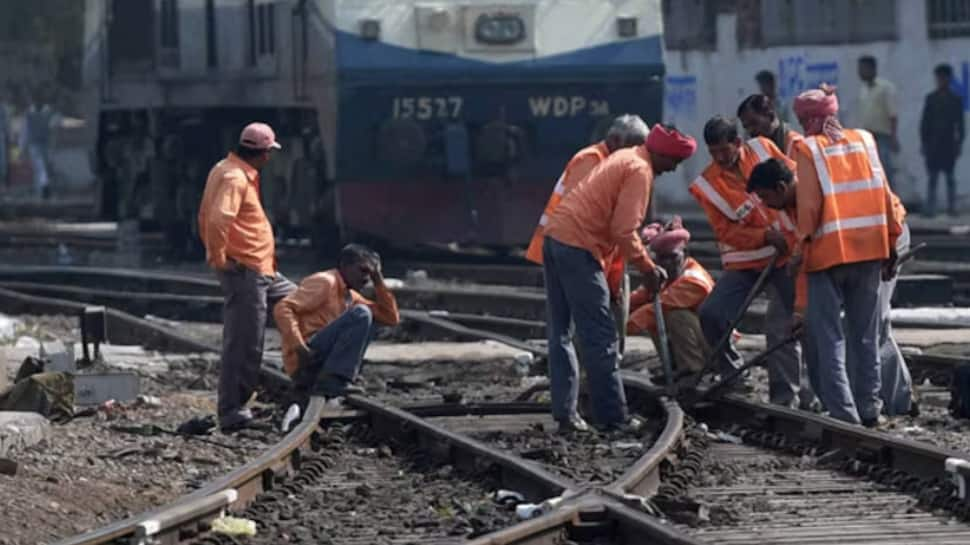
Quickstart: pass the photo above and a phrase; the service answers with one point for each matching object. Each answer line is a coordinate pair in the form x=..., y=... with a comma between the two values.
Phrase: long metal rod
x=756, y=361
x=722, y=343
x=664, y=349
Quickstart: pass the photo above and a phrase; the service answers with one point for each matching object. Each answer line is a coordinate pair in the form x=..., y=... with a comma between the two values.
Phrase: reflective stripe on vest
x=759, y=149
x=741, y=256
x=850, y=223
x=716, y=199
x=825, y=178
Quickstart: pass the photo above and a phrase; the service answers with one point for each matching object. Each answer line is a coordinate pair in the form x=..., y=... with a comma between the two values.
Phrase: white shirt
x=877, y=106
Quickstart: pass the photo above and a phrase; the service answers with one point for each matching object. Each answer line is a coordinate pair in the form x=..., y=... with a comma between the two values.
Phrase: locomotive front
x=454, y=119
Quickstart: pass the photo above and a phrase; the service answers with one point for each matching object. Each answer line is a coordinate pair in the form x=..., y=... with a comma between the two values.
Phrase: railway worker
x=599, y=216
x=240, y=248
x=848, y=230
x=750, y=237
x=688, y=284
x=774, y=183
x=626, y=131
x=325, y=325
x=759, y=119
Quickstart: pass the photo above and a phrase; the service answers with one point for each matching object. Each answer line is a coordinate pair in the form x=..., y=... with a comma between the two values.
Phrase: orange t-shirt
x=319, y=300
x=605, y=210
x=232, y=223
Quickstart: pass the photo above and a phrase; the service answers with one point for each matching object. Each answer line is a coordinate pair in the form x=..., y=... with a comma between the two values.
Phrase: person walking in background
x=941, y=131
x=768, y=87
x=240, y=248
x=877, y=112
x=35, y=141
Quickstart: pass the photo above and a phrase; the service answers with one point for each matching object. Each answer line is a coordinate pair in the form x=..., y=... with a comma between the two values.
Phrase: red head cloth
x=670, y=143
x=816, y=109
x=666, y=239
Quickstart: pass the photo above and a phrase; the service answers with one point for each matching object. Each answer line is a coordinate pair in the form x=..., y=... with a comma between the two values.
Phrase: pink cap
x=259, y=136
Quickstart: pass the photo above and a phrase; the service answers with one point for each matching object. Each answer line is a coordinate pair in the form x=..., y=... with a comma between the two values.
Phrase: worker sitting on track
x=848, y=229
x=626, y=131
x=325, y=325
x=239, y=245
x=750, y=237
x=600, y=216
x=774, y=183
x=688, y=284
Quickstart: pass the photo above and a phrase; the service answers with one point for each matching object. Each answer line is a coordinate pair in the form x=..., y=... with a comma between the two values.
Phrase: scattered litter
x=508, y=497
x=234, y=526
x=8, y=327
x=394, y=283
x=526, y=511
x=523, y=363
x=111, y=409
x=627, y=445
x=960, y=230
x=438, y=313
x=913, y=429
x=148, y=401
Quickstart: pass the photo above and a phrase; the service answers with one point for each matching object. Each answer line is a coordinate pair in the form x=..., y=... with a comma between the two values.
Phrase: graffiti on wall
x=681, y=97
x=796, y=74
x=961, y=84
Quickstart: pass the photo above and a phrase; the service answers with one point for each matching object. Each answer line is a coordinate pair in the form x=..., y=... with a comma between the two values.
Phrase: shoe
x=246, y=424
x=633, y=426
x=293, y=415
x=573, y=424
x=873, y=423
x=331, y=386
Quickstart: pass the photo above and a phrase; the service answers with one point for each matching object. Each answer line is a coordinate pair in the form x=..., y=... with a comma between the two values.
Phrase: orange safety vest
x=742, y=209
x=671, y=296
x=855, y=222
x=791, y=138
x=598, y=152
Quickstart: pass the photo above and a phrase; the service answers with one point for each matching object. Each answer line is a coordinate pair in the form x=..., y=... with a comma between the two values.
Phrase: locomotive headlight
x=626, y=27
x=370, y=29
x=499, y=29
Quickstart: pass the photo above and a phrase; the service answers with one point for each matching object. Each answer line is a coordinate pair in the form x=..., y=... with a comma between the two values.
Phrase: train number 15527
x=424, y=108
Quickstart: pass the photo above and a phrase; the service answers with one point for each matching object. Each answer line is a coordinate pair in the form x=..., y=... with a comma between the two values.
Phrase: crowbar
x=664, y=349
x=722, y=343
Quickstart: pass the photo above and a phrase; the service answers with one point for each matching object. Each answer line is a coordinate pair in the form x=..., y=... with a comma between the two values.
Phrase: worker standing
x=240, y=248
x=750, y=237
x=775, y=185
x=599, y=216
x=626, y=131
x=758, y=117
x=848, y=230
x=688, y=284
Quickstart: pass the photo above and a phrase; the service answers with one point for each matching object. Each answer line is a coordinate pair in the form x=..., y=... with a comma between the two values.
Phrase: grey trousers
x=247, y=297
x=688, y=349
x=897, y=385
x=854, y=287
x=337, y=349
x=722, y=305
x=576, y=290
x=790, y=375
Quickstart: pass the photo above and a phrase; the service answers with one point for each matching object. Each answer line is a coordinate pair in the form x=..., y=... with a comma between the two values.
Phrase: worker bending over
x=774, y=183
x=749, y=236
x=688, y=284
x=600, y=216
x=848, y=229
x=325, y=325
x=626, y=131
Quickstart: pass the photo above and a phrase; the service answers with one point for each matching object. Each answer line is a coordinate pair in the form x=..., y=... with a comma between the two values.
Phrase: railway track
x=790, y=466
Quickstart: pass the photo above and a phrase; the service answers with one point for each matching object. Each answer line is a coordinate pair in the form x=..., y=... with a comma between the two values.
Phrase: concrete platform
x=19, y=430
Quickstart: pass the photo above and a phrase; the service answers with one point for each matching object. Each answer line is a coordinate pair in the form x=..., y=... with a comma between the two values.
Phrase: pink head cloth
x=666, y=239
x=817, y=110
x=670, y=142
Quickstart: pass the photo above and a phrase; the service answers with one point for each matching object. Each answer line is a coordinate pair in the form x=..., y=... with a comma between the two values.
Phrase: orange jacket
x=320, y=299
x=846, y=212
x=603, y=213
x=791, y=138
x=232, y=223
x=576, y=169
x=687, y=291
x=738, y=218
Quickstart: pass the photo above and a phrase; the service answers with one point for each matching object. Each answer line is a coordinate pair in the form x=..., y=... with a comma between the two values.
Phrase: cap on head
x=259, y=136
